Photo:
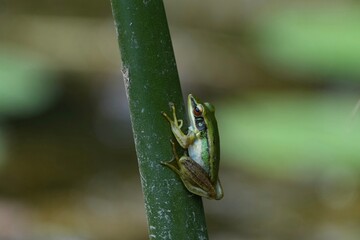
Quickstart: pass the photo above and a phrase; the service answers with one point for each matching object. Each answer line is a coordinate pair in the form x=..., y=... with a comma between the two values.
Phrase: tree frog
x=198, y=168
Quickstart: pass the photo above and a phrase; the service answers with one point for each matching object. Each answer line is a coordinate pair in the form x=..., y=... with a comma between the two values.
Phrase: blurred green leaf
x=26, y=85
x=322, y=40
x=288, y=133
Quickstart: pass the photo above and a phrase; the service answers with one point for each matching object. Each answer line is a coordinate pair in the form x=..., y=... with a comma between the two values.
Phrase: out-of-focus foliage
x=26, y=86
x=276, y=72
x=315, y=39
x=291, y=134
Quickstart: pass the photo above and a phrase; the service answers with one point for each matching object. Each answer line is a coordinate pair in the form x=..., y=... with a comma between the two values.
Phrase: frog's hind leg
x=219, y=190
x=173, y=163
x=195, y=178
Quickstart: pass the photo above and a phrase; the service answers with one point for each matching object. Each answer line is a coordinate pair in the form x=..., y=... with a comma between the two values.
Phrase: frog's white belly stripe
x=195, y=152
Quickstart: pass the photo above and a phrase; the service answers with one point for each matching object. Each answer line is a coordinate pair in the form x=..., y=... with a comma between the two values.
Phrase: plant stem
x=151, y=81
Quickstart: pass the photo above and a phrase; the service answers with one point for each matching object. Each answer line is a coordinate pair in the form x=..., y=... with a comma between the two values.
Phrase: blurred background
x=283, y=75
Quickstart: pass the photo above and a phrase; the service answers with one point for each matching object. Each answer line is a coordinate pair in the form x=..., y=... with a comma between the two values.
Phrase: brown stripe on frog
x=201, y=180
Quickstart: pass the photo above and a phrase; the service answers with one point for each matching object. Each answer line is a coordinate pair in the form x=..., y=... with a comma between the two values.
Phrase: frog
x=198, y=168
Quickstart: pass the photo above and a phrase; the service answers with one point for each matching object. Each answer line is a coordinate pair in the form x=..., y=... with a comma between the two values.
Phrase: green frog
x=198, y=168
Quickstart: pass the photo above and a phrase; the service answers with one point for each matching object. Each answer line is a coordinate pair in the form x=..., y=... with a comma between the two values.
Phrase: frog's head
x=198, y=112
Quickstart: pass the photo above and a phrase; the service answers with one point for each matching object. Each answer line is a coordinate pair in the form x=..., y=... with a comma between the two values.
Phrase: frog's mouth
x=191, y=104
x=192, y=101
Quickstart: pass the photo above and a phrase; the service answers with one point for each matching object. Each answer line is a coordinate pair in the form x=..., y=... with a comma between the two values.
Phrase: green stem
x=152, y=81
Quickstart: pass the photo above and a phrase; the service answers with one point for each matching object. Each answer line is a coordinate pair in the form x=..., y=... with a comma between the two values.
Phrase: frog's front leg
x=176, y=124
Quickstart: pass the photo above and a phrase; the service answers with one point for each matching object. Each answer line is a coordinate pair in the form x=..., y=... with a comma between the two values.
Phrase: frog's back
x=214, y=145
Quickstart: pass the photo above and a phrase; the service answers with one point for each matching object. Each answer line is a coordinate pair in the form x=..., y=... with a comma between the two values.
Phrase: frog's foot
x=176, y=157
x=174, y=122
x=180, y=123
x=173, y=163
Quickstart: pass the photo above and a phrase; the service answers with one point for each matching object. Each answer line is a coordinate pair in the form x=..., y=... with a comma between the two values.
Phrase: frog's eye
x=198, y=110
